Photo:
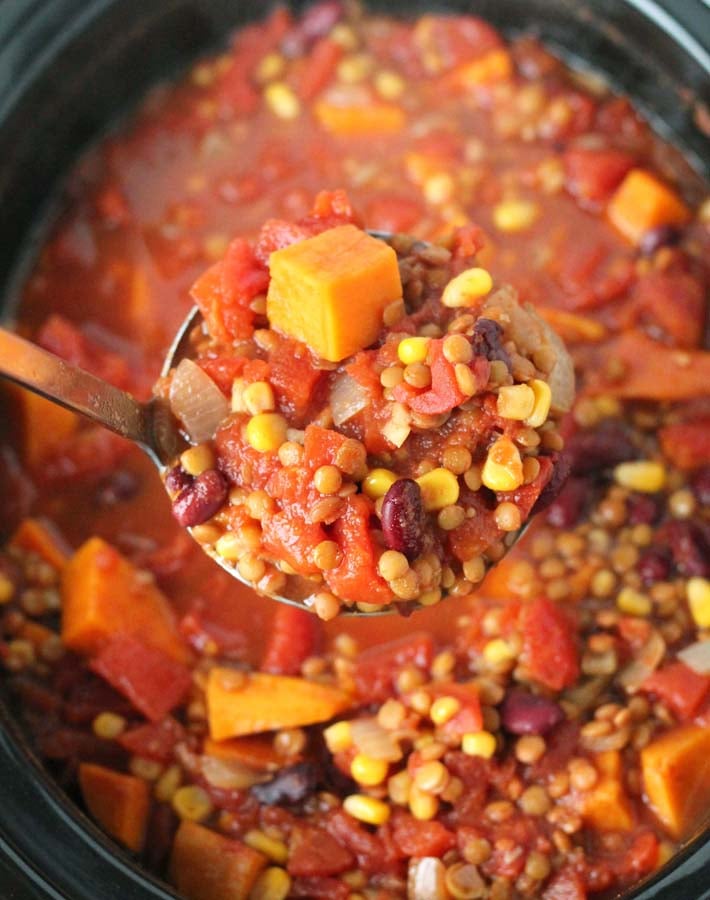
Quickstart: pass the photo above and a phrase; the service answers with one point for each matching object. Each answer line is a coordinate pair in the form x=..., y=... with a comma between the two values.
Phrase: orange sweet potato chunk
x=642, y=202
x=104, y=595
x=606, y=806
x=360, y=120
x=330, y=291
x=119, y=803
x=676, y=776
x=36, y=536
x=44, y=426
x=205, y=865
x=239, y=704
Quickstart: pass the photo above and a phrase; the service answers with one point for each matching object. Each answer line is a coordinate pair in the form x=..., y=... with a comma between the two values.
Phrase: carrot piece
x=361, y=120
x=256, y=752
x=642, y=202
x=330, y=291
x=45, y=425
x=676, y=774
x=104, y=595
x=496, y=65
x=205, y=865
x=239, y=704
x=606, y=806
x=572, y=327
x=119, y=803
x=40, y=537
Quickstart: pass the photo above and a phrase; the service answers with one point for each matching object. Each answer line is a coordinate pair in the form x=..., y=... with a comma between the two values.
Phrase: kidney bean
x=600, y=448
x=654, y=565
x=177, y=479
x=524, y=713
x=403, y=518
x=642, y=509
x=700, y=485
x=689, y=544
x=487, y=341
x=200, y=500
x=655, y=238
x=291, y=785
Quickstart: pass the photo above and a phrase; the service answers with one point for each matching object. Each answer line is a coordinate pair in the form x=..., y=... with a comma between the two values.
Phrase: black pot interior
x=68, y=70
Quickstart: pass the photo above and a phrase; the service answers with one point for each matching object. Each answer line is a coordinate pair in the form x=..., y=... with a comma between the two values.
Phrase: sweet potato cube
x=39, y=537
x=676, y=776
x=44, y=425
x=642, y=202
x=606, y=806
x=240, y=703
x=361, y=120
x=330, y=291
x=104, y=595
x=119, y=803
x=205, y=865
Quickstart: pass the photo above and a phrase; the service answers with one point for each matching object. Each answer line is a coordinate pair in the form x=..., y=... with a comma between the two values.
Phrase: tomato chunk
x=292, y=639
x=549, y=644
x=679, y=687
x=376, y=668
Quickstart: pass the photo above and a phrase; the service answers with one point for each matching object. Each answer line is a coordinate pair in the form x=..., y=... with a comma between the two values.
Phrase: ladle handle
x=51, y=377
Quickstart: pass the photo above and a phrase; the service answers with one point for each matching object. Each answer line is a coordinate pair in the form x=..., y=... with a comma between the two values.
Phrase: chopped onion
x=649, y=658
x=697, y=657
x=397, y=429
x=197, y=401
x=229, y=776
x=347, y=398
x=373, y=740
x=426, y=879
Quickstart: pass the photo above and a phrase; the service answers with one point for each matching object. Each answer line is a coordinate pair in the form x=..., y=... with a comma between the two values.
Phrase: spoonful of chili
x=352, y=421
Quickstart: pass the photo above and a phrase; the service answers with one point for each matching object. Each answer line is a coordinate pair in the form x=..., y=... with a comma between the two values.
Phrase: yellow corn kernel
x=108, y=725
x=367, y=770
x=498, y=651
x=192, y=803
x=543, y=401
x=641, y=475
x=377, y=482
x=467, y=288
x=698, y=594
x=282, y=101
x=399, y=786
x=7, y=589
x=276, y=850
x=422, y=806
x=366, y=809
x=259, y=397
x=389, y=85
x=515, y=215
x=438, y=188
x=273, y=883
x=167, y=784
x=516, y=401
x=480, y=743
x=266, y=431
x=270, y=66
x=440, y=488
x=195, y=460
x=413, y=350
x=443, y=709
x=633, y=603
x=503, y=468
x=338, y=737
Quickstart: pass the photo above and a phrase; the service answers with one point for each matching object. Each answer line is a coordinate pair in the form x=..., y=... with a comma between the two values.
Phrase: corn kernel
x=422, y=806
x=338, y=737
x=276, y=850
x=259, y=397
x=543, y=401
x=698, y=594
x=503, y=468
x=273, y=883
x=195, y=460
x=167, y=784
x=515, y=215
x=7, y=589
x=467, y=288
x=641, y=475
x=270, y=66
x=438, y=188
x=413, y=350
x=516, y=401
x=443, y=709
x=282, y=101
x=439, y=488
x=377, y=482
x=633, y=603
x=108, y=725
x=367, y=770
x=366, y=809
x=266, y=431
x=389, y=85
x=192, y=803
x=498, y=651
x=480, y=743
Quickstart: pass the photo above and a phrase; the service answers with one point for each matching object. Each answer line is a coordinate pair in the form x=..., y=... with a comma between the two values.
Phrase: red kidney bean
x=487, y=341
x=689, y=544
x=642, y=510
x=524, y=713
x=403, y=518
x=654, y=565
x=607, y=445
x=177, y=479
x=700, y=485
x=655, y=238
x=200, y=500
x=291, y=785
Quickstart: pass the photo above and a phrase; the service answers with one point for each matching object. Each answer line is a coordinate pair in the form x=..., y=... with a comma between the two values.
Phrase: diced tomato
x=376, y=853
x=292, y=639
x=320, y=889
x=376, y=668
x=476, y=533
x=287, y=535
x=525, y=497
x=87, y=456
x=312, y=851
x=567, y=884
x=393, y=212
x=687, y=444
x=444, y=393
x=592, y=175
x=448, y=41
x=224, y=369
x=681, y=688
x=151, y=680
x=239, y=461
x=356, y=577
x=417, y=838
x=640, y=858
x=276, y=234
x=469, y=718
x=549, y=645
x=320, y=446
x=319, y=68
x=156, y=740
x=672, y=306
x=293, y=375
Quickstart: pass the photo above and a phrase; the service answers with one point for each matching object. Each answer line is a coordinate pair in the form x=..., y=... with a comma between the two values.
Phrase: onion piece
x=649, y=658
x=426, y=879
x=373, y=740
x=697, y=657
x=197, y=401
x=347, y=398
x=230, y=776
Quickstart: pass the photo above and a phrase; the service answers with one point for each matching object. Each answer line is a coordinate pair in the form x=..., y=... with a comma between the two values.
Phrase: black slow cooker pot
x=68, y=68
